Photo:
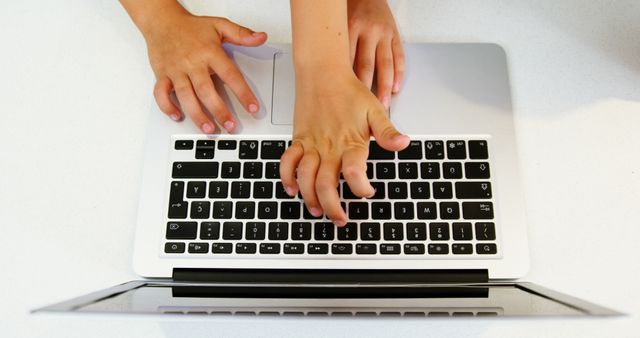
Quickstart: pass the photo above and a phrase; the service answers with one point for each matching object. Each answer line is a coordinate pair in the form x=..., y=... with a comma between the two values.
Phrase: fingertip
x=396, y=87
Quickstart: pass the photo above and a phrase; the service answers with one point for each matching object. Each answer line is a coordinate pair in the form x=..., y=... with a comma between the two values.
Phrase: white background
x=74, y=97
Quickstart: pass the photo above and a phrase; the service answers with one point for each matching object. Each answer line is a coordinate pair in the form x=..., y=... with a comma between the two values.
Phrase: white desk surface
x=74, y=98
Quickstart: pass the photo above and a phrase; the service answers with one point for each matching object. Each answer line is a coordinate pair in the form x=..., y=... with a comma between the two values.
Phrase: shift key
x=195, y=170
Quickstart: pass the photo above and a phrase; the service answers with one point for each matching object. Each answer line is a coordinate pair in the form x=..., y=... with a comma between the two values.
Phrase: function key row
x=336, y=248
x=273, y=149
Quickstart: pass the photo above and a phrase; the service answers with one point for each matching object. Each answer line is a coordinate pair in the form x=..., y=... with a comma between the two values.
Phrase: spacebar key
x=195, y=170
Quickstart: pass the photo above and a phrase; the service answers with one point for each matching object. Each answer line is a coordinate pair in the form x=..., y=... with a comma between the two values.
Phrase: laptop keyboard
x=433, y=200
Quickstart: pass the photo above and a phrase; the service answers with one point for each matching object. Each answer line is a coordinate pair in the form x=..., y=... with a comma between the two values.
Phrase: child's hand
x=335, y=114
x=375, y=45
x=184, y=51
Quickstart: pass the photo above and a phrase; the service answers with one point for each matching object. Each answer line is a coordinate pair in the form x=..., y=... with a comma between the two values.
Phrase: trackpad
x=283, y=89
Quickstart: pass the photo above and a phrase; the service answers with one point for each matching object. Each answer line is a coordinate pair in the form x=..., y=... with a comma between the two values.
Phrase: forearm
x=147, y=13
x=320, y=34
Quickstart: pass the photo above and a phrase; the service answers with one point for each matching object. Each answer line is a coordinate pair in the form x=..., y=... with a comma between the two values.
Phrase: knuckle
x=366, y=66
x=352, y=171
x=324, y=184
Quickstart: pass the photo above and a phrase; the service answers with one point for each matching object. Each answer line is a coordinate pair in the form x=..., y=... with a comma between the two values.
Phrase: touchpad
x=283, y=89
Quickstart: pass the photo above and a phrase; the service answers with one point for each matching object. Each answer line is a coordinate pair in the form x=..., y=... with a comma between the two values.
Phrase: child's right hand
x=185, y=50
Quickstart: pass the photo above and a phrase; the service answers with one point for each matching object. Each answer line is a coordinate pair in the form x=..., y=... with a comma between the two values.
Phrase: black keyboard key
x=474, y=170
x=341, y=249
x=369, y=170
x=205, y=144
x=398, y=190
x=366, y=249
x=227, y=144
x=427, y=210
x=403, y=210
x=389, y=249
x=290, y=210
x=386, y=170
x=200, y=209
x=478, y=150
x=438, y=249
x=370, y=231
x=252, y=170
x=222, y=210
x=442, y=190
x=267, y=210
x=452, y=170
x=456, y=150
x=246, y=248
x=245, y=210
x=462, y=231
x=378, y=153
x=174, y=247
x=218, y=189
x=272, y=170
x=197, y=189
x=486, y=249
x=183, y=145
x=408, y=170
x=317, y=249
x=477, y=210
x=358, y=210
x=347, y=194
x=485, y=231
x=420, y=190
x=198, y=248
x=230, y=170
x=473, y=190
x=414, y=249
x=182, y=230
x=270, y=248
x=205, y=149
x=254, y=231
x=393, y=231
x=240, y=189
x=195, y=170
x=349, y=232
x=293, y=248
x=439, y=231
x=323, y=231
x=416, y=231
x=176, y=194
x=177, y=206
x=301, y=231
x=449, y=210
x=221, y=248
x=430, y=170
x=434, y=150
x=307, y=215
x=379, y=189
x=248, y=150
x=232, y=230
x=381, y=210
x=462, y=249
x=272, y=150
x=262, y=189
x=280, y=192
x=278, y=231
x=209, y=230
x=412, y=152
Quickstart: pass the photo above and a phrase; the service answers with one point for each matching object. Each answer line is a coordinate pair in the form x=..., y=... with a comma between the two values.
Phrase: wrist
x=148, y=15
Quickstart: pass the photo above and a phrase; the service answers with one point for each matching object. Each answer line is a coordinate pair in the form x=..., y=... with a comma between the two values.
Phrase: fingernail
x=175, y=117
x=315, y=212
x=339, y=223
x=385, y=101
x=399, y=137
x=396, y=87
x=207, y=128
x=290, y=191
x=229, y=125
x=253, y=108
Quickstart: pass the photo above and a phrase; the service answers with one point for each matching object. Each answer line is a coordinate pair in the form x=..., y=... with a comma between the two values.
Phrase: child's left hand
x=375, y=46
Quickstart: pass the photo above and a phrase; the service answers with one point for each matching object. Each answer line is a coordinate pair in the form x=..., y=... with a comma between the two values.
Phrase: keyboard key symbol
x=174, y=226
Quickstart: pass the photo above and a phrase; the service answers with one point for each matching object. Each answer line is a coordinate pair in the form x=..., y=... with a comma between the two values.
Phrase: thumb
x=239, y=35
x=386, y=135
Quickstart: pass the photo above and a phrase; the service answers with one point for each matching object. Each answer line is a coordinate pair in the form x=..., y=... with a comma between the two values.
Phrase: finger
x=398, y=63
x=384, y=132
x=207, y=94
x=384, y=71
x=162, y=93
x=190, y=105
x=326, y=183
x=354, y=170
x=288, y=164
x=353, y=44
x=231, y=75
x=239, y=35
x=365, y=60
x=307, y=170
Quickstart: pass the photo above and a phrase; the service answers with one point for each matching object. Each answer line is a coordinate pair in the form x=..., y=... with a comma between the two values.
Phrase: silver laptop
x=444, y=234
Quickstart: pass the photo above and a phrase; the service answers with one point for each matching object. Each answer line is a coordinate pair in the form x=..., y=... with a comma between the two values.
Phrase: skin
x=335, y=113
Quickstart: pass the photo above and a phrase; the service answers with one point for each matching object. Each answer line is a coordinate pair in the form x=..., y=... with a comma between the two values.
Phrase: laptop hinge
x=329, y=276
